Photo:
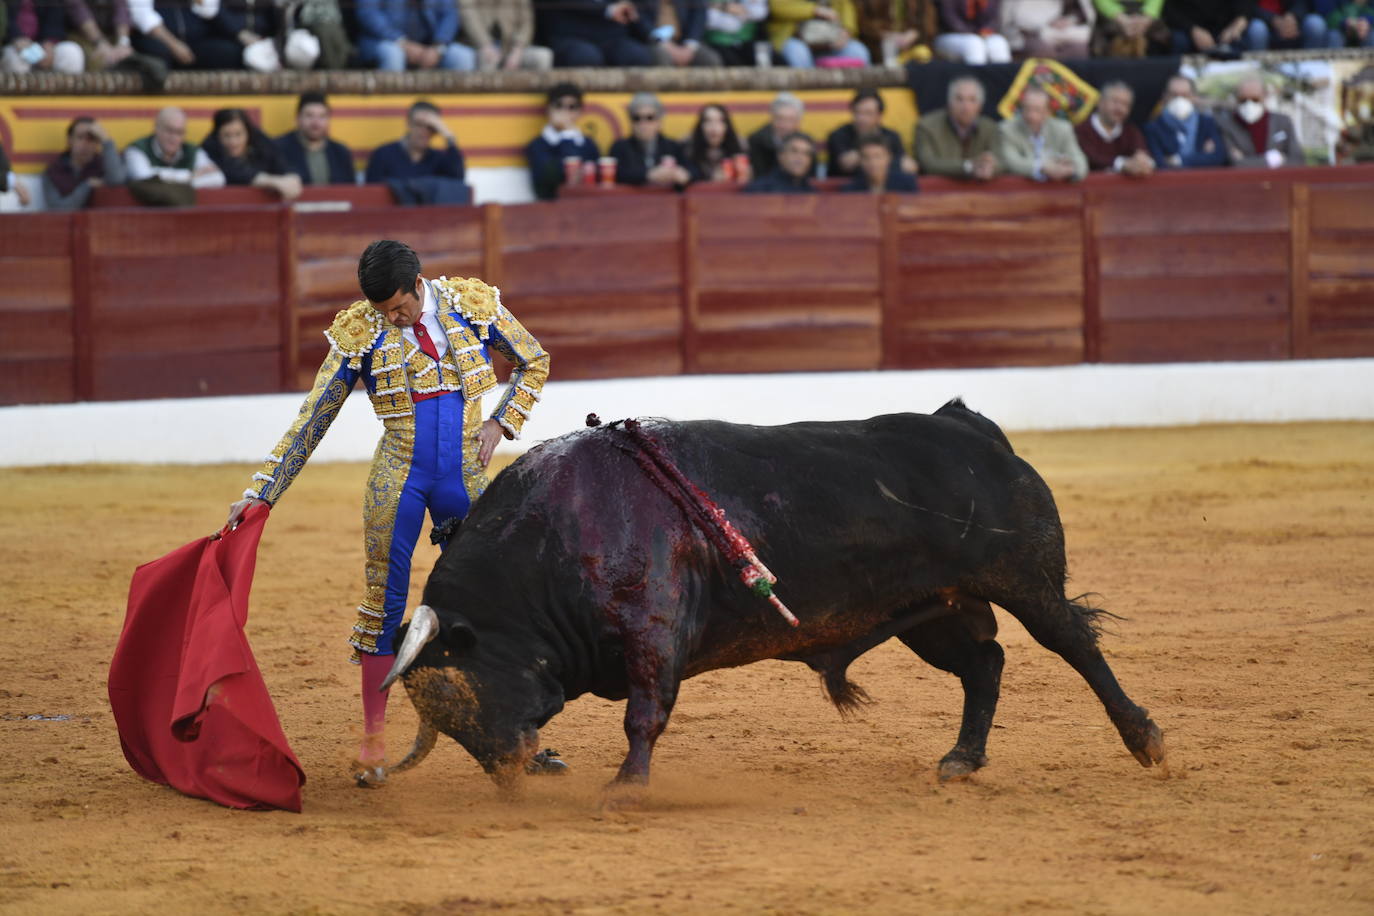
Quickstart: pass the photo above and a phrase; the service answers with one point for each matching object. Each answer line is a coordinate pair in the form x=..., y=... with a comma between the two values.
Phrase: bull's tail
x=1089, y=615
x=847, y=696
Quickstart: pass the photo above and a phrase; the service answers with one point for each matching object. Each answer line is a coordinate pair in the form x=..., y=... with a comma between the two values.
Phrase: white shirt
x=429, y=317
x=139, y=167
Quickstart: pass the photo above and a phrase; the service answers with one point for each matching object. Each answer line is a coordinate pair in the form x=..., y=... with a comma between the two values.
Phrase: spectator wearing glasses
x=796, y=159
x=308, y=150
x=165, y=156
x=559, y=141
x=647, y=157
x=90, y=160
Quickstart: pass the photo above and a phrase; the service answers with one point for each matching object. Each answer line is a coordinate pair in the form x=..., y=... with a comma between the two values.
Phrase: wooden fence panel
x=1193, y=273
x=1340, y=270
x=37, y=311
x=783, y=283
x=184, y=302
x=448, y=240
x=986, y=280
x=599, y=282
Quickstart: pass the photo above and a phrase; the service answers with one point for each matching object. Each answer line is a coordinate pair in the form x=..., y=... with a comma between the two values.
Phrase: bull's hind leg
x=964, y=645
x=1068, y=629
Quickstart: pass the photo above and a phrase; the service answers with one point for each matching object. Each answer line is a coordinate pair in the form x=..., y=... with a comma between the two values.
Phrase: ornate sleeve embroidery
x=511, y=340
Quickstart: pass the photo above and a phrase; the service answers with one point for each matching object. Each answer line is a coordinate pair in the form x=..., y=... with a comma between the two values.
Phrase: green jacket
x=939, y=149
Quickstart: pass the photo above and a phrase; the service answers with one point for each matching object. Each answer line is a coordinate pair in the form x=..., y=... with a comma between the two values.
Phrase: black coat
x=340, y=158
x=632, y=164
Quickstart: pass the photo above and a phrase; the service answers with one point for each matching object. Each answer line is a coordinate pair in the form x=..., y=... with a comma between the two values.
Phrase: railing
x=1232, y=264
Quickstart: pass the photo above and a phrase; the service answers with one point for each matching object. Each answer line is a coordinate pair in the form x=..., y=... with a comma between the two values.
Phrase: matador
x=422, y=350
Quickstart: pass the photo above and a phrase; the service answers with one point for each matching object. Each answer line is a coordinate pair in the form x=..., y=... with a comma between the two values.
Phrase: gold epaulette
x=355, y=330
x=473, y=299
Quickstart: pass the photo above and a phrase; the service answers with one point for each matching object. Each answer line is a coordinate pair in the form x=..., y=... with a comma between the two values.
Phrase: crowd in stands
x=72, y=36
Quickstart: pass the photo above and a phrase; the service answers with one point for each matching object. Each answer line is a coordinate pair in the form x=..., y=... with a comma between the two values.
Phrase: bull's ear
x=456, y=633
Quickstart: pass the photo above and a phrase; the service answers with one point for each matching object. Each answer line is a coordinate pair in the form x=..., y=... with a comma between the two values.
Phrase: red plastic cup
x=741, y=166
x=607, y=164
x=572, y=169
x=589, y=173
x=727, y=168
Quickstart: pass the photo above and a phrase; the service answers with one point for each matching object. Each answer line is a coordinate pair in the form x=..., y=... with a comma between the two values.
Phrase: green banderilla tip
x=762, y=588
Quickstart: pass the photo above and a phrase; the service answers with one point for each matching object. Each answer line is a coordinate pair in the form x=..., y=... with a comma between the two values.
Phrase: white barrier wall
x=212, y=430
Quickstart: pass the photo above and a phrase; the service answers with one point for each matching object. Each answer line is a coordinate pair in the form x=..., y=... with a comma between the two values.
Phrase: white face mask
x=1181, y=107
x=1250, y=111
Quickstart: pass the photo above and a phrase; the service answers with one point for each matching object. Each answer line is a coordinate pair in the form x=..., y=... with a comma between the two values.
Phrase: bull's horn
x=424, y=743
x=424, y=623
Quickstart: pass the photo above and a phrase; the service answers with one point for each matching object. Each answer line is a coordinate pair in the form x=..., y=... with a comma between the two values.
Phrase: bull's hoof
x=369, y=775
x=623, y=796
x=546, y=763
x=958, y=767
x=1153, y=751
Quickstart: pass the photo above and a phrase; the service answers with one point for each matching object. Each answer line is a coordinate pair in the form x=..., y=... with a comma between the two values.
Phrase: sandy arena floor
x=1243, y=556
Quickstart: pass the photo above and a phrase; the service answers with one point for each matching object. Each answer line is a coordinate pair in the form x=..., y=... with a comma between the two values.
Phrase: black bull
x=576, y=573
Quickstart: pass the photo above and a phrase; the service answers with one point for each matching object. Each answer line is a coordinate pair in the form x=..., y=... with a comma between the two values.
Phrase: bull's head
x=490, y=695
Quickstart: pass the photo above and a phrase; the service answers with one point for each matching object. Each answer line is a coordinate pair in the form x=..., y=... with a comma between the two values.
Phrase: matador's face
x=403, y=309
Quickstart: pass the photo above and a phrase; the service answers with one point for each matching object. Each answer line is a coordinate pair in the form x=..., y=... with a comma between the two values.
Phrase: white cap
x=302, y=50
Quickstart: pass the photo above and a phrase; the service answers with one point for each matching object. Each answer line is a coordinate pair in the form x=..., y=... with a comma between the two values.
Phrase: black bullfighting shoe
x=546, y=763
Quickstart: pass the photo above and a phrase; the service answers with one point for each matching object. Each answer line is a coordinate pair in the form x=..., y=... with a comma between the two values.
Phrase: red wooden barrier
x=36, y=309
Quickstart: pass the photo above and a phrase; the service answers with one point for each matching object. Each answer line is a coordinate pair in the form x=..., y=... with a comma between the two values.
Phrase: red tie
x=426, y=343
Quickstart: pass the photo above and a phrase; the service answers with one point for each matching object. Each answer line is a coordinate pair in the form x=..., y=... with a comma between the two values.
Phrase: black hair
x=421, y=105
x=563, y=91
x=697, y=146
x=874, y=139
x=798, y=135
x=387, y=268
x=867, y=94
x=311, y=97
x=258, y=142
x=77, y=122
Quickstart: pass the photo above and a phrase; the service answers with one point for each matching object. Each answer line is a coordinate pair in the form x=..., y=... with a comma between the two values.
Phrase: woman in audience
x=713, y=150
x=90, y=160
x=247, y=156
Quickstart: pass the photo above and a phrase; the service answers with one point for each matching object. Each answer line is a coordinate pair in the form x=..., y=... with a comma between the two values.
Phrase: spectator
x=1182, y=137
x=502, y=32
x=905, y=27
x=90, y=160
x=104, y=31
x=11, y=187
x=163, y=168
x=185, y=34
x=35, y=39
x=594, y=33
x=420, y=34
x=678, y=30
x=415, y=170
x=257, y=26
x=1035, y=144
x=842, y=146
x=878, y=171
x=1256, y=137
x=732, y=28
x=559, y=141
x=796, y=160
x=1109, y=141
x=246, y=156
x=1048, y=28
x=806, y=33
x=784, y=119
x=970, y=32
x=646, y=156
x=714, y=144
x=1351, y=24
x=958, y=141
x=1129, y=28
x=1286, y=24
x=309, y=151
x=1211, y=26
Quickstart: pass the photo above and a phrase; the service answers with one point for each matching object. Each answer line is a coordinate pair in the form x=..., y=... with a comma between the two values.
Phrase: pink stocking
x=375, y=668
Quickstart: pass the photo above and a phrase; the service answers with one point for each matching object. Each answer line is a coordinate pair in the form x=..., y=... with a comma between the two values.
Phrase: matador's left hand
x=488, y=436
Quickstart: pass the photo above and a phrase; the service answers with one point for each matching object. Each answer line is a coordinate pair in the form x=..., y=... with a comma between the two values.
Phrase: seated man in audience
x=1255, y=136
x=165, y=158
x=647, y=157
x=1221, y=27
x=784, y=120
x=595, y=33
x=796, y=159
x=90, y=161
x=433, y=175
x=842, y=146
x=559, y=141
x=308, y=150
x=1035, y=144
x=419, y=34
x=1109, y=141
x=1183, y=137
x=959, y=141
x=502, y=32
x=876, y=173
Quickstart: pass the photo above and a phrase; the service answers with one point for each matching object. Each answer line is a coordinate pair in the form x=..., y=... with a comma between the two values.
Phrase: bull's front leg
x=654, y=676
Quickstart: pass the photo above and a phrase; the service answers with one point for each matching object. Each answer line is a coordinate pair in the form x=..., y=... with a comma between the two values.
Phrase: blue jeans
x=797, y=54
x=1313, y=34
x=388, y=55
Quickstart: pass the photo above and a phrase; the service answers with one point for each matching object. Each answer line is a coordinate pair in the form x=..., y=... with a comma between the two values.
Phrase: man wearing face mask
x=1183, y=137
x=1255, y=136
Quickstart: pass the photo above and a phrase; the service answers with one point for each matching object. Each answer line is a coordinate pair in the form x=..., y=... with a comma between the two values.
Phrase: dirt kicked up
x=1242, y=556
